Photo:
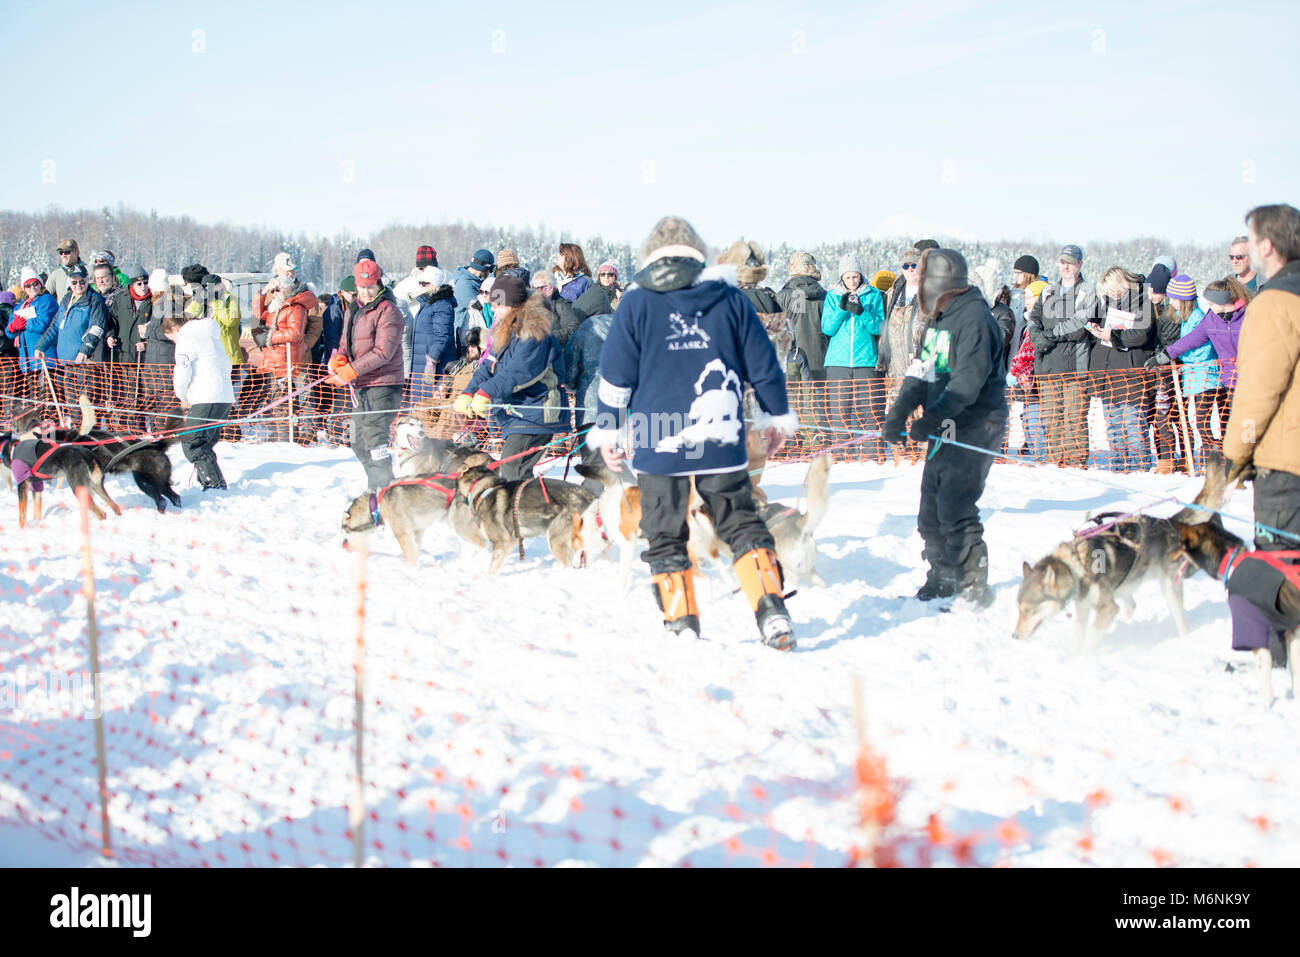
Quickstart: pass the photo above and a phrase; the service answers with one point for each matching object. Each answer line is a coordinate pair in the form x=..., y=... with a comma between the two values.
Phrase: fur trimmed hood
x=532, y=321
x=751, y=266
x=672, y=236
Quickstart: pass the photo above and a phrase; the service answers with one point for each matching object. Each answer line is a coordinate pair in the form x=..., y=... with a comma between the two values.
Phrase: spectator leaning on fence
x=1201, y=380
x=1058, y=327
x=1264, y=427
x=57, y=281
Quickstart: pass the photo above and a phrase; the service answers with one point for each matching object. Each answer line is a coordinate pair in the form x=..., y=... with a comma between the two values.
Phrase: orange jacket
x=288, y=325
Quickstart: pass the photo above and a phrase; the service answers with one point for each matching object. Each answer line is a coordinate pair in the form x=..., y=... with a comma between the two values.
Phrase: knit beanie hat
x=27, y=275
x=1027, y=264
x=883, y=280
x=367, y=254
x=7, y=298
x=508, y=291
x=506, y=259
x=366, y=273
x=158, y=281
x=1169, y=262
x=803, y=264
x=673, y=236
x=1036, y=287
x=1182, y=288
x=426, y=256
x=1159, y=278
x=608, y=266
x=194, y=272
x=849, y=263
x=135, y=272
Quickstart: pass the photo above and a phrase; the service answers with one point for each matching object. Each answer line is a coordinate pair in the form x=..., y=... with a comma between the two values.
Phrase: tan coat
x=1264, y=427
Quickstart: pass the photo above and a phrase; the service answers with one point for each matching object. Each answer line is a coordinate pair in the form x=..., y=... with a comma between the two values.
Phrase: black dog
x=32, y=459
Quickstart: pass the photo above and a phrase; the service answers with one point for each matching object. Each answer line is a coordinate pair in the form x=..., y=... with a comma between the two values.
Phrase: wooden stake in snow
x=288, y=383
x=1182, y=421
x=54, y=396
x=357, y=817
x=866, y=856
x=92, y=634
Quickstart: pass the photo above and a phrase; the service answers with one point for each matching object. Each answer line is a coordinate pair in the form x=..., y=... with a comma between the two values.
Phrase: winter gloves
x=894, y=428
x=1161, y=358
x=850, y=304
x=923, y=428
x=342, y=370
x=475, y=405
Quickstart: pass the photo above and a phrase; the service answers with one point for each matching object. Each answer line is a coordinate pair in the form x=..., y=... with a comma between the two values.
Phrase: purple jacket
x=1222, y=335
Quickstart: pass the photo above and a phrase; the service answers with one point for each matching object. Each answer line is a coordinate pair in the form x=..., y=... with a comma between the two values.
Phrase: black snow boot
x=973, y=577
x=209, y=474
x=938, y=584
x=774, y=623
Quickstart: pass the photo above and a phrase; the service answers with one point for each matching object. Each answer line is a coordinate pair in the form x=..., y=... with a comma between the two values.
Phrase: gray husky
x=1099, y=570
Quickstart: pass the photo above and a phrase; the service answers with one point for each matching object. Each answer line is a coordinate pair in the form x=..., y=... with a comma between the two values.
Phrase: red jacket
x=287, y=326
x=372, y=341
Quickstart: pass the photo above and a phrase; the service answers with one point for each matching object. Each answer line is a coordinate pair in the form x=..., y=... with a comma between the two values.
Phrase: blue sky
x=779, y=121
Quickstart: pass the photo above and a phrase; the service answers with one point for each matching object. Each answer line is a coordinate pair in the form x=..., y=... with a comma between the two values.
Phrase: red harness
x=1235, y=557
x=376, y=498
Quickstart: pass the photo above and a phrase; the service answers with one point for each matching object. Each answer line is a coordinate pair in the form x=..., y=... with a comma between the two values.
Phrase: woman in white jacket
x=202, y=383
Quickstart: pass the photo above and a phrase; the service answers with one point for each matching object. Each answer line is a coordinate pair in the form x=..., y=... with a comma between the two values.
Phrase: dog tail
x=1213, y=493
x=87, y=415
x=602, y=473
x=818, y=491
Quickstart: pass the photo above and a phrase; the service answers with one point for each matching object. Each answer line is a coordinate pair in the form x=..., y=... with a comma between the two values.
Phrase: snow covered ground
x=542, y=716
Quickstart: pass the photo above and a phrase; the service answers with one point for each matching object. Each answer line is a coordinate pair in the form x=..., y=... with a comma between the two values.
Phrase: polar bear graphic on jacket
x=715, y=413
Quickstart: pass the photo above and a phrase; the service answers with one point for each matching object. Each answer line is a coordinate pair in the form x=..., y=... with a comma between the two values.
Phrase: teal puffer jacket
x=853, y=338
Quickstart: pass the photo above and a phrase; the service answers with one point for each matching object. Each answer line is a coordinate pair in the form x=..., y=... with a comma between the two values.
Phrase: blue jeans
x=1126, y=432
x=1035, y=438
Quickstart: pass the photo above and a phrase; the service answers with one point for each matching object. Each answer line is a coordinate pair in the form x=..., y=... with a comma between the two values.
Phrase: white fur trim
x=788, y=423
x=616, y=396
x=604, y=438
x=663, y=252
x=722, y=272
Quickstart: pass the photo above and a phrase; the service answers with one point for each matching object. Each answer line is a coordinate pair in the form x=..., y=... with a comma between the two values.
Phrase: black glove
x=1161, y=358
x=260, y=334
x=849, y=303
x=894, y=429
x=923, y=428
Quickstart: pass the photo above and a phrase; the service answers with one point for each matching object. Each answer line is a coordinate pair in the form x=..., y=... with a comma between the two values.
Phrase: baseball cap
x=67, y=245
x=1071, y=254
x=366, y=273
x=284, y=261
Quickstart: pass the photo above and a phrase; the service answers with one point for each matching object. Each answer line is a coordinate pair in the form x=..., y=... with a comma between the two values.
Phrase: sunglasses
x=78, y=282
x=1232, y=257
x=907, y=266
x=31, y=284
x=140, y=282
x=65, y=252
x=607, y=274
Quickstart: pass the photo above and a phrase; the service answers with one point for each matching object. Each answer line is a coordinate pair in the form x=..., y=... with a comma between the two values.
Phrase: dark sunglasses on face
x=1234, y=257
x=77, y=282
x=909, y=265
x=140, y=282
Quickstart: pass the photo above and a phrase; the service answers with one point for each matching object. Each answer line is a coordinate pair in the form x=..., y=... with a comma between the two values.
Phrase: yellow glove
x=462, y=404
x=480, y=404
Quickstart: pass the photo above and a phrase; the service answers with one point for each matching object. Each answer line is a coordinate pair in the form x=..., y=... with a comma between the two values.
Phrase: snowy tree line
x=151, y=241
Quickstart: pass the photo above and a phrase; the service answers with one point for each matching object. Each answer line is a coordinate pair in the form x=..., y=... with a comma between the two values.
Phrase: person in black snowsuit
x=957, y=378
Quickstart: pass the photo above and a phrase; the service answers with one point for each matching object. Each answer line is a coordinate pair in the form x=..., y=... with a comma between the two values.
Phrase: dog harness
x=514, y=508
x=377, y=498
x=1235, y=557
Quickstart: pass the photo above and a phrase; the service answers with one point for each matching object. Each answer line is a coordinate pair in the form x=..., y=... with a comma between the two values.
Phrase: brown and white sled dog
x=408, y=507
x=509, y=512
x=1213, y=548
x=1100, y=572
x=613, y=519
x=417, y=453
x=792, y=530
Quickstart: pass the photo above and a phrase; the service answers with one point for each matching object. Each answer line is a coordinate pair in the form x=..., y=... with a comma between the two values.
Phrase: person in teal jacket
x=1201, y=381
x=853, y=314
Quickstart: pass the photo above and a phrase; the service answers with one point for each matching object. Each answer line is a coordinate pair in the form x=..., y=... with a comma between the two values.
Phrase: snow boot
x=973, y=577
x=938, y=584
x=760, y=578
x=209, y=474
x=675, y=594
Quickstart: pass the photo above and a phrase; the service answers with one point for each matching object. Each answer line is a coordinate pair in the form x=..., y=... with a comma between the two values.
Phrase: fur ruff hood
x=751, y=266
x=532, y=321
